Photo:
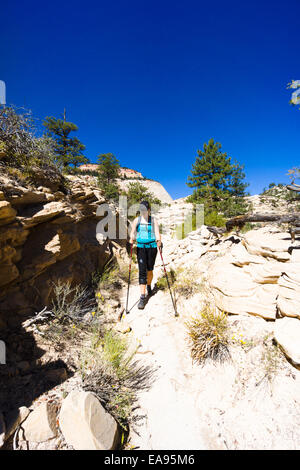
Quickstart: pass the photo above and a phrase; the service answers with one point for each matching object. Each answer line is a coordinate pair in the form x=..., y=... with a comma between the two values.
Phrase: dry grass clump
x=184, y=281
x=161, y=282
x=272, y=361
x=109, y=370
x=74, y=312
x=209, y=335
x=187, y=282
x=113, y=275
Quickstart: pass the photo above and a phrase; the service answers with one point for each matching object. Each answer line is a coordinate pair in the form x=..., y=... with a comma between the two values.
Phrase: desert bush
x=208, y=333
x=19, y=145
x=108, y=370
x=72, y=303
x=25, y=157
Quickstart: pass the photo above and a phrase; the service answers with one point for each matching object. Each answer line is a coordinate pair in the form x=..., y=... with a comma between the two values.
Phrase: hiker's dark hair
x=145, y=204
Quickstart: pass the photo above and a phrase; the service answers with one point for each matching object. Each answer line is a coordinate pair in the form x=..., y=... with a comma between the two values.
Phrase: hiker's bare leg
x=143, y=289
x=149, y=277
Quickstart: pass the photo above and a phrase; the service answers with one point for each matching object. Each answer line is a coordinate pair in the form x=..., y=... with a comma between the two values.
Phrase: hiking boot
x=149, y=291
x=142, y=302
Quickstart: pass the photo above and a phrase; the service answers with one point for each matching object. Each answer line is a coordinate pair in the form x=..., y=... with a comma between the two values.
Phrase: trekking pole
x=176, y=314
x=129, y=274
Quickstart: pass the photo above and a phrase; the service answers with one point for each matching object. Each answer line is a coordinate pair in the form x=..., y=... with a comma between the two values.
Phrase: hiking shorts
x=146, y=260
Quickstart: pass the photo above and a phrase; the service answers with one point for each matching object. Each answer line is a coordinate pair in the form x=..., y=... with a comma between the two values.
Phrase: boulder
x=40, y=425
x=85, y=424
x=14, y=418
x=287, y=335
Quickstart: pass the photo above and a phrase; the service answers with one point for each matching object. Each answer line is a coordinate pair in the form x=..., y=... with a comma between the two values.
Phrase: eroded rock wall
x=45, y=236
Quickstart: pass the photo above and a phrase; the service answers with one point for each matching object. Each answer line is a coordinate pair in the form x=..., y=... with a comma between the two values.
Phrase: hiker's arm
x=133, y=231
x=157, y=233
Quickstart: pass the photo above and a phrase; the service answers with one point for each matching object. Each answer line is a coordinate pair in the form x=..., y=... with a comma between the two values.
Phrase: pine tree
x=137, y=192
x=109, y=167
x=68, y=150
x=217, y=181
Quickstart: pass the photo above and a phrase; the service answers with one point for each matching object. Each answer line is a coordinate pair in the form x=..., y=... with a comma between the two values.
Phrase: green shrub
x=215, y=219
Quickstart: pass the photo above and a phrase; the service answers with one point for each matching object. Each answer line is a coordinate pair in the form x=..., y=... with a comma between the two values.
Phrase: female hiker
x=146, y=231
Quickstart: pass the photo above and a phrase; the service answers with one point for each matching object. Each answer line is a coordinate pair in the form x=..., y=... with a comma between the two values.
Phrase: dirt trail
x=173, y=419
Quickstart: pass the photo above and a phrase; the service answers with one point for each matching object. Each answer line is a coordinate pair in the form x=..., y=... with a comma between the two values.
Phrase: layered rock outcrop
x=45, y=236
x=261, y=276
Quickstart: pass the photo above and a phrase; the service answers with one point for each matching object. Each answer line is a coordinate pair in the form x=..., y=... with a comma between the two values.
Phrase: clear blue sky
x=151, y=81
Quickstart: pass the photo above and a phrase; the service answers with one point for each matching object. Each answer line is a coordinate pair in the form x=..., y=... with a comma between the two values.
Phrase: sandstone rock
x=63, y=244
x=236, y=292
x=7, y=252
x=47, y=212
x=85, y=424
x=242, y=257
x=266, y=273
x=14, y=419
x=27, y=196
x=6, y=211
x=8, y=273
x=13, y=233
x=289, y=291
x=287, y=334
x=273, y=245
x=204, y=232
x=41, y=423
x=258, y=276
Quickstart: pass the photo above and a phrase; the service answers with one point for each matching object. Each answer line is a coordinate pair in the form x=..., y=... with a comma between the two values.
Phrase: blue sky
x=152, y=81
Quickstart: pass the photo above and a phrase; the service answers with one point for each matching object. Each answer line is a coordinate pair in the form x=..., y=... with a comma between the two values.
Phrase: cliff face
x=45, y=235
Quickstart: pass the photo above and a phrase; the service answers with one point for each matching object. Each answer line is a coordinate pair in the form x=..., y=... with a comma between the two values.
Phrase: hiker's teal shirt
x=145, y=234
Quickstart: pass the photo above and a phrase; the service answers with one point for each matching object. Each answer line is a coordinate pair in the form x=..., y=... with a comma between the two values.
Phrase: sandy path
x=173, y=420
